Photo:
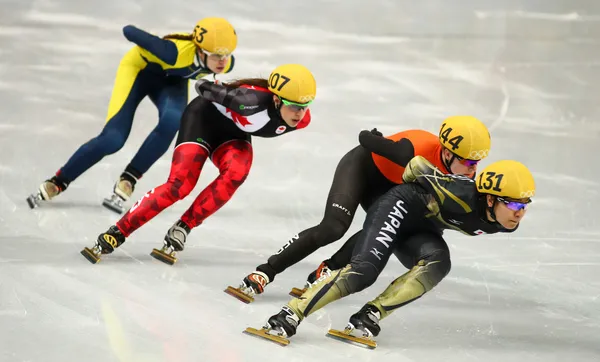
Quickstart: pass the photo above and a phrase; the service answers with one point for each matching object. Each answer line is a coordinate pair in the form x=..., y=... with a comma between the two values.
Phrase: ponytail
x=256, y=82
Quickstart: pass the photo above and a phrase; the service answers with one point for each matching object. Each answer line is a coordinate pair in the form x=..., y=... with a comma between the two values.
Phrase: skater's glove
x=376, y=132
x=364, y=135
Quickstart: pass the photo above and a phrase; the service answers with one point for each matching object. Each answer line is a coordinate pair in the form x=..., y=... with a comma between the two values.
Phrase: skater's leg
x=130, y=87
x=188, y=160
x=234, y=160
x=344, y=196
x=171, y=101
x=186, y=165
x=342, y=257
x=428, y=257
x=393, y=214
x=377, y=186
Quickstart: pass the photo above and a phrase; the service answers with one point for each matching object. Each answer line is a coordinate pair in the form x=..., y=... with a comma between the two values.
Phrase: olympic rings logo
x=306, y=99
x=527, y=194
x=478, y=154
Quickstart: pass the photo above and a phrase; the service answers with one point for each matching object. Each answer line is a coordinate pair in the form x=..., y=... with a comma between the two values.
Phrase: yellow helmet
x=508, y=178
x=294, y=83
x=465, y=136
x=215, y=35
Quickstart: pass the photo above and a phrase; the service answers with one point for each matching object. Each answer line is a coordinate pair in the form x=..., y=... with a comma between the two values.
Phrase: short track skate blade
x=89, y=255
x=297, y=293
x=164, y=257
x=263, y=333
x=32, y=201
x=349, y=338
x=112, y=206
x=237, y=293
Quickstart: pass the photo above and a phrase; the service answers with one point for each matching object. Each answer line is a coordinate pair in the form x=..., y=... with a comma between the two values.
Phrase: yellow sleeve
x=186, y=51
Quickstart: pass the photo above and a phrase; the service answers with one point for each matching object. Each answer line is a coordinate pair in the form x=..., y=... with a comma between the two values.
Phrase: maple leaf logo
x=239, y=119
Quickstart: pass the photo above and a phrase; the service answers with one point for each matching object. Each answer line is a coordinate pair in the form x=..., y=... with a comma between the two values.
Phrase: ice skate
x=174, y=242
x=322, y=272
x=105, y=244
x=365, y=320
x=122, y=192
x=47, y=190
x=253, y=284
x=284, y=324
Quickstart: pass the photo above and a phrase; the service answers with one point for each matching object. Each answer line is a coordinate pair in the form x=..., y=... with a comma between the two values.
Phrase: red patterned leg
x=188, y=160
x=233, y=159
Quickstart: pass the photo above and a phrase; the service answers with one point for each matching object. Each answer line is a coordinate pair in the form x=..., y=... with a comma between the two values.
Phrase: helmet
x=465, y=136
x=508, y=178
x=293, y=82
x=215, y=35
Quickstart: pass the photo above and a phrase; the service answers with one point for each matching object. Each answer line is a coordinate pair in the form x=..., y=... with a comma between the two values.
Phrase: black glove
x=376, y=132
x=365, y=134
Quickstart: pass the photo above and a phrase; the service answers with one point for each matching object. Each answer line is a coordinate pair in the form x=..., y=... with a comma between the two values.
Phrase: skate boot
x=47, y=190
x=284, y=324
x=105, y=244
x=316, y=276
x=365, y=320
x=174, y=241
x=253, y=284
x=122, y=192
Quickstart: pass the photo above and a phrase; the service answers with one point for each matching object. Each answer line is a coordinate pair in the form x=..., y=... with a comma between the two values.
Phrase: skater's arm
x=400, y=152
x=244, y=101
x=455, y=193
x=164, y=50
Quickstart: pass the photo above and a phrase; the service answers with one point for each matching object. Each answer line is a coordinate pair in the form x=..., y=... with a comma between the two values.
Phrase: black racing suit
x=407, y=221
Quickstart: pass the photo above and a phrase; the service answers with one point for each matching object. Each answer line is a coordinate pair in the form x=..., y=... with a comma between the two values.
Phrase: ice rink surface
x=529, y=69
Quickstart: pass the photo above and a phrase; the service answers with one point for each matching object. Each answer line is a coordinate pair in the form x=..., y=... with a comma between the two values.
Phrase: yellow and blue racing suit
x=160, y=69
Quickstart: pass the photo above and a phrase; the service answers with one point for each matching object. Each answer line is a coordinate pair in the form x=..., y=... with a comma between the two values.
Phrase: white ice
x=528, y=68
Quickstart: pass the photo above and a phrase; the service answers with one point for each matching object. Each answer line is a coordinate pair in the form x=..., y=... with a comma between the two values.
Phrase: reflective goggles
x=296, y=107
x=514, y=205
x=467, y=162
x=216, y=56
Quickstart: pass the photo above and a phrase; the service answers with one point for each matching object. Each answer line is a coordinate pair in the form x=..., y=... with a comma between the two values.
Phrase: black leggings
x=356, y=181
x=396, y=225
